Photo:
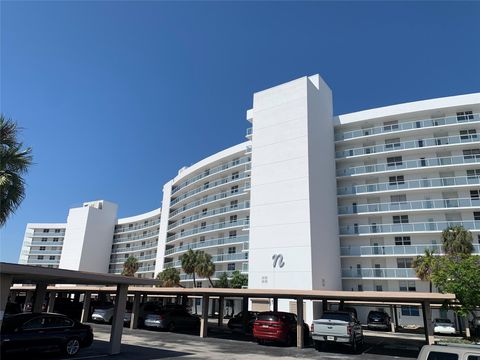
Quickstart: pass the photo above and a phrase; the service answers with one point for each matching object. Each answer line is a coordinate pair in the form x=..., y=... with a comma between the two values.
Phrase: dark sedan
x=171, y=319
x=43, y=332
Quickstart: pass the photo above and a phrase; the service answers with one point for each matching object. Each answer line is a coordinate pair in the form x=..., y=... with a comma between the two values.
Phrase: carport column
x=86, y=307
x=5, y=284
x=393, y=323
x=221, y=305
x=51, y=301
x=275, y=304
x=427, y=323
x=300, y=334
x=204, y=319
x=324, y=305
x=118, y=315
x=40, y=292
x=396, y=316
x=244, y=312
x=135, y=310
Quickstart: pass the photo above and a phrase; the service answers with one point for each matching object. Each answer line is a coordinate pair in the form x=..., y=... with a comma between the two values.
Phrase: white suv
x=450, y=352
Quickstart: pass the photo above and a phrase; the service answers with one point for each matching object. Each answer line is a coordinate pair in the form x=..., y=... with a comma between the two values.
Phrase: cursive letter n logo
x=278, y=260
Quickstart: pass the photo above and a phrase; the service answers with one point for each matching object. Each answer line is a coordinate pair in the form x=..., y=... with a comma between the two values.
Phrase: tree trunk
x=211, y=283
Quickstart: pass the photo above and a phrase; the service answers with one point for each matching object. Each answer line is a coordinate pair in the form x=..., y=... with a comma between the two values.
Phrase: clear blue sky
x=115, y=97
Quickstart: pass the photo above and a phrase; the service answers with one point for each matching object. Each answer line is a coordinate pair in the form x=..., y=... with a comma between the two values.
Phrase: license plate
x=330, y=338
x=265, y=326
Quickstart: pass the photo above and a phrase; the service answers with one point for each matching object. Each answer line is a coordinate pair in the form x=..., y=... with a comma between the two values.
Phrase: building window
x=392, y=143
x=400, y=219
x=199, y=284
x=52, y=257
x=130, y=226
x=143, y=243
x=464, y=115
x=398, y=198
x=231, y=267
x=42, y=248
x=390, y=125
x=55, y=239
x=396, y=180
x=232, y=250
x=402, y=240
x=404, y=263
x=476, y=215
x=235, y=175
x=128, y=245
x=206, y=185
x=57, y=230
x=206, y=172
x=235, y=161
x=474, y=194
x=203, y=225
x=44, y=239
x=473, y=174
x=471, y=154
x=40, y=257
x=359, y=287
x=468, y=134
x=407, y=286
x=204, y=211
x=233, y=219
x=232, y=234
x=394, y=161
x=378, y=288
x=234, y=189
x=202, y=238
x=410, y=311
x=233, y=204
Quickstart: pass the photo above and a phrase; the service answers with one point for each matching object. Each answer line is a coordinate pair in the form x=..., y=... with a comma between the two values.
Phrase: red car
x=277, y=326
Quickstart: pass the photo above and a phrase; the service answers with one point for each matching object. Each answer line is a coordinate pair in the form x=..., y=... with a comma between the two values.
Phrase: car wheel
x=71, y=347
x=317, y=345
x=171, y=326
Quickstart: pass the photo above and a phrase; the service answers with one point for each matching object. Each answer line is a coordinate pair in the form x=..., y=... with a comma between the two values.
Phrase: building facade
x=311, y=200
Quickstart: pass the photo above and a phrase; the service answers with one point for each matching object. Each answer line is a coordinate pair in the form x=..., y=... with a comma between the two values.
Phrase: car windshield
x=336, y=316
x=444, y=321
x=268, y=317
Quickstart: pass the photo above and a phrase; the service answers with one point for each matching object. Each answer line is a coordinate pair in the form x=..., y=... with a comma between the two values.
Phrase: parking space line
x=87, y=357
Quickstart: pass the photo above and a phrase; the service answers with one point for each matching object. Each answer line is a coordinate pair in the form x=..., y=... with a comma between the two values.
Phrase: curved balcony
x=136, y=237
x=409, y=164
x=135, y=248
x=394, y=250
x=45, y=252
x=427, y=227
x=46, y=243
x=211, y=198
x=119, y=229
x=215, y=276
x=208, y=172
x=415, y=205
x=208, y=228
x=139, y=258
x=211, y=185
x=406, y=126
x=208, y=243
x=379, y=273
x=215, y=258
x=49, y=234
x=44, y=261
x=209, y=213
x=406, y=145
x=410, y=185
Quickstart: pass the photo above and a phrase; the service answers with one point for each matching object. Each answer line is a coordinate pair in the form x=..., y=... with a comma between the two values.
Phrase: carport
x=41, y=277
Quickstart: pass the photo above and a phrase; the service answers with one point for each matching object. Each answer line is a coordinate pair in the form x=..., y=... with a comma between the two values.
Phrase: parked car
x=43, y=331
x=103, y=313
x=378, y=320
x=170, y=319
x=12, y=308
x=236, y=323
x=277, y=326
x=449, y=352
x=68, y=307
x=443, y=326
x=337, y=327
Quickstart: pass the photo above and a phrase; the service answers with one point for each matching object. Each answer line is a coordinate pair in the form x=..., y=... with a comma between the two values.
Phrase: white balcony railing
x=394, y=273
x=395, y=250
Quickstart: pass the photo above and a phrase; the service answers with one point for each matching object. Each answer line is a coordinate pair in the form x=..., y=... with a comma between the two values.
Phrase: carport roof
x=28, y=274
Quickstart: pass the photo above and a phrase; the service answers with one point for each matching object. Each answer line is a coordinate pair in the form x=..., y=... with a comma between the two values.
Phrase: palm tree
x=457, y=241
x=424, y=265
x=189, y=262
x=14, y=163
x=130, y=266
x=170, y=277
x=205, y=267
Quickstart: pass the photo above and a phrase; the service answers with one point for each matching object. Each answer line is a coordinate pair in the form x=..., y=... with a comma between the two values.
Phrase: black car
x=236, y=323
x=171, y=318
x=378, y=320
x=43, y=332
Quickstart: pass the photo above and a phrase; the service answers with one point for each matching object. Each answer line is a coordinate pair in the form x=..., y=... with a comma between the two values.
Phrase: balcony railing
x=136, y=237
x=208, y=243
x=216, y=275
x=249, y=133
x=212, y=212
x=409, y=184
x=409, y=164
x=395, y=250
x=44, y=261
x=139, y=258
x=45, y=252
x=406, y=145
x=225, y=180
x=410, y=125
x=206, y=228
x=119, y=250
x=395, y=273
x=406, y=228
x=215, y=259
x=46, y=243
x=120, y=229
x=208, y=172
x=409, y=205
x=211, y=198
x=49, y=234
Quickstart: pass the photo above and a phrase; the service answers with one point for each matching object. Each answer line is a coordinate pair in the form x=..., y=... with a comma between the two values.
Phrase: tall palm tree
x=170, y=277
x=424, y=265
x=189, y=262
x=130, y=266
x=14, y=163
x=205, y=266
x=457, y=241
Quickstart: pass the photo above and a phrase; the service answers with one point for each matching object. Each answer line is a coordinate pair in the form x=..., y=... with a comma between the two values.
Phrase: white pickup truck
x=337, y=327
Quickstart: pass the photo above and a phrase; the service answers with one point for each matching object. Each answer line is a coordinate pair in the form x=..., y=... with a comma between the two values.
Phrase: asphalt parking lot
x=222, y=345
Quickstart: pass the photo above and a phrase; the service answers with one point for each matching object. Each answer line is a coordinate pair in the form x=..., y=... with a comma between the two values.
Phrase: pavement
x=221, y=344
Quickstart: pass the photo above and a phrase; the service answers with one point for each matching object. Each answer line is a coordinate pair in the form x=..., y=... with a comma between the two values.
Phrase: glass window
x=232, y=234
x=57, y=230
x=231, y=267
x=233, y=218
x=400, y=219
x=468, y=134
x=394, y=161
x=398, y=198
x=473, y=174
x=235, y=175
x=476, y=215
x=464, y=115
x=392, y=143
x=390, y=125
x=55, y=322
x=232, y=250
x=410, y=311
x=44, y=239
x=396, y=180
x=437, y=355
x=36, y=323
x=402, y=240
x=471, y=154
x=404, y=263
x=46, y=230
x=474, y=194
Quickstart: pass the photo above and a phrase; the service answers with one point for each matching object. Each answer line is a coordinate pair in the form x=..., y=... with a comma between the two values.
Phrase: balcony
x=139, y=258
x=149, y=246
x=407, y=145
x=395, y=250
x=121, y=229
x=409, y=185
x=377, y=229
x=46, y=243
x=379, y=273
x=409, y=206
x=136, y=237
x=44, y=261
x=405, y=126
x=249, y=133
x=49, y=234
x=212, y=212
x=215, y=259
x=45, y=252
x=207, y=243
x=207, y=228
x=216, y=275
x=208, y=172
x=211, y=198
x=409, y=164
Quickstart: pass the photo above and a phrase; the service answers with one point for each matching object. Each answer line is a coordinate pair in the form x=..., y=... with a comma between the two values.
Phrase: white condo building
x=311, y=200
